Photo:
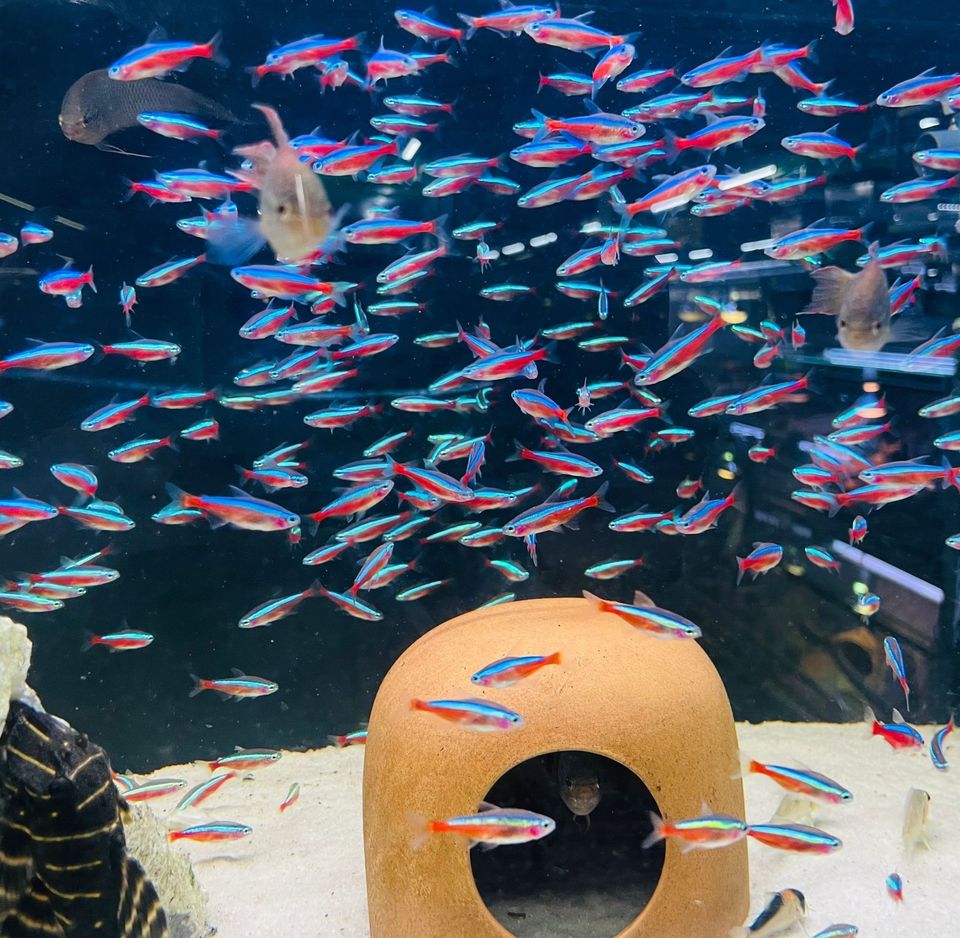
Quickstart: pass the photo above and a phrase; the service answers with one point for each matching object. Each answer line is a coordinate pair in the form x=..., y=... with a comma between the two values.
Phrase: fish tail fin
x=418, y=704
x=88, y=279
x=541, y=83
x=870, y=718
x=741, y=568
x=543, y=131
x=471, y=22
x=254, y=72
x=810, y=50
x=419, y=829
x=657, y=834
x=555, y=658
x=198, y=683
x=517, y=454
x=177, y=495
x=440, y=228
x=744, y=765
x=214, y=46
x=671, y=145
x=602, y=502
x=338, y=741
x=736, y=498
x=594, y=601
x=952, y=477
x=855, y=157
x=89, y=640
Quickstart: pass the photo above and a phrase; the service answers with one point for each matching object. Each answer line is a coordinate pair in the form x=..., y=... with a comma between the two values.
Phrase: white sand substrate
x=300, y=874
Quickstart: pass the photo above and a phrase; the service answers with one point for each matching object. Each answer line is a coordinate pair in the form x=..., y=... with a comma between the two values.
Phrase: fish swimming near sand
x=860, y=302
x=95, y=106
x=63, y=859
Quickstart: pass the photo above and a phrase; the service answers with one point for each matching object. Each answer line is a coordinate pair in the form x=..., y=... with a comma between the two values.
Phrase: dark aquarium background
x=789, y=647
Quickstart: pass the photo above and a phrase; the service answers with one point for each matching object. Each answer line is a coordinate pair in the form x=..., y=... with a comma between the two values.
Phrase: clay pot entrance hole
x=590, y=878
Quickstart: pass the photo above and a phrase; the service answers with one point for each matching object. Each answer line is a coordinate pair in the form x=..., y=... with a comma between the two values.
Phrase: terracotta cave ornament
x=658, y=707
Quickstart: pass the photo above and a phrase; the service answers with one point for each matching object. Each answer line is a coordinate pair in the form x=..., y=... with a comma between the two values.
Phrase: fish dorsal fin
x=705, y=809
x=236, y=672
x=832, y=286
x=273, y=121
x=831, y=131
x=486, y=806
x=640, y=598
x=757, y=545
x=592, y=107
x=110, y=507
x=157, y=34
x=558, y=495
x=898, y=716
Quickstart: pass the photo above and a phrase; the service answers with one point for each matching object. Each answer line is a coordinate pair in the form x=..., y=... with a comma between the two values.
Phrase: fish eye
x=843, y=324
x=876, y=327
x=281, y=209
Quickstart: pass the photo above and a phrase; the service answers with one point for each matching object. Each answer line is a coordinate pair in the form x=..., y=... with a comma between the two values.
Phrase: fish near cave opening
x=591, y=877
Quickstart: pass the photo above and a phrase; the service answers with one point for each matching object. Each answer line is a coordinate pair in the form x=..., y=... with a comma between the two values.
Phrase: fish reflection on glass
x=95, y=106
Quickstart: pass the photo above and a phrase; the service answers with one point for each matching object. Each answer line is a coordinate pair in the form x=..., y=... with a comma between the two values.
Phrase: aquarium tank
x=326, y=324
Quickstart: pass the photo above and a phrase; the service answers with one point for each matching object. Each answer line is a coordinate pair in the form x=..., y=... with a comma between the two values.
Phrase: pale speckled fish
x=916, y=813
x=294, y=208
x=95, y=106
x=860, y=302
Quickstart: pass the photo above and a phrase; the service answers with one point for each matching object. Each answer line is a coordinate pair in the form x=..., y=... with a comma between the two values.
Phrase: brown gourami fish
x=95, y=106
x=860, y=302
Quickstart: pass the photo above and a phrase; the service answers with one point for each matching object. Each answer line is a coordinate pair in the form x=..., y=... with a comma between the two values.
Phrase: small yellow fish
x=916, y=813
x=859, y=301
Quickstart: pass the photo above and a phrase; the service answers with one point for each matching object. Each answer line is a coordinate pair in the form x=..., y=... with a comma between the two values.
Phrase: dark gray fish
x=860, y=302
x=96, y=106
x=579, y=784
x=64, y=868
